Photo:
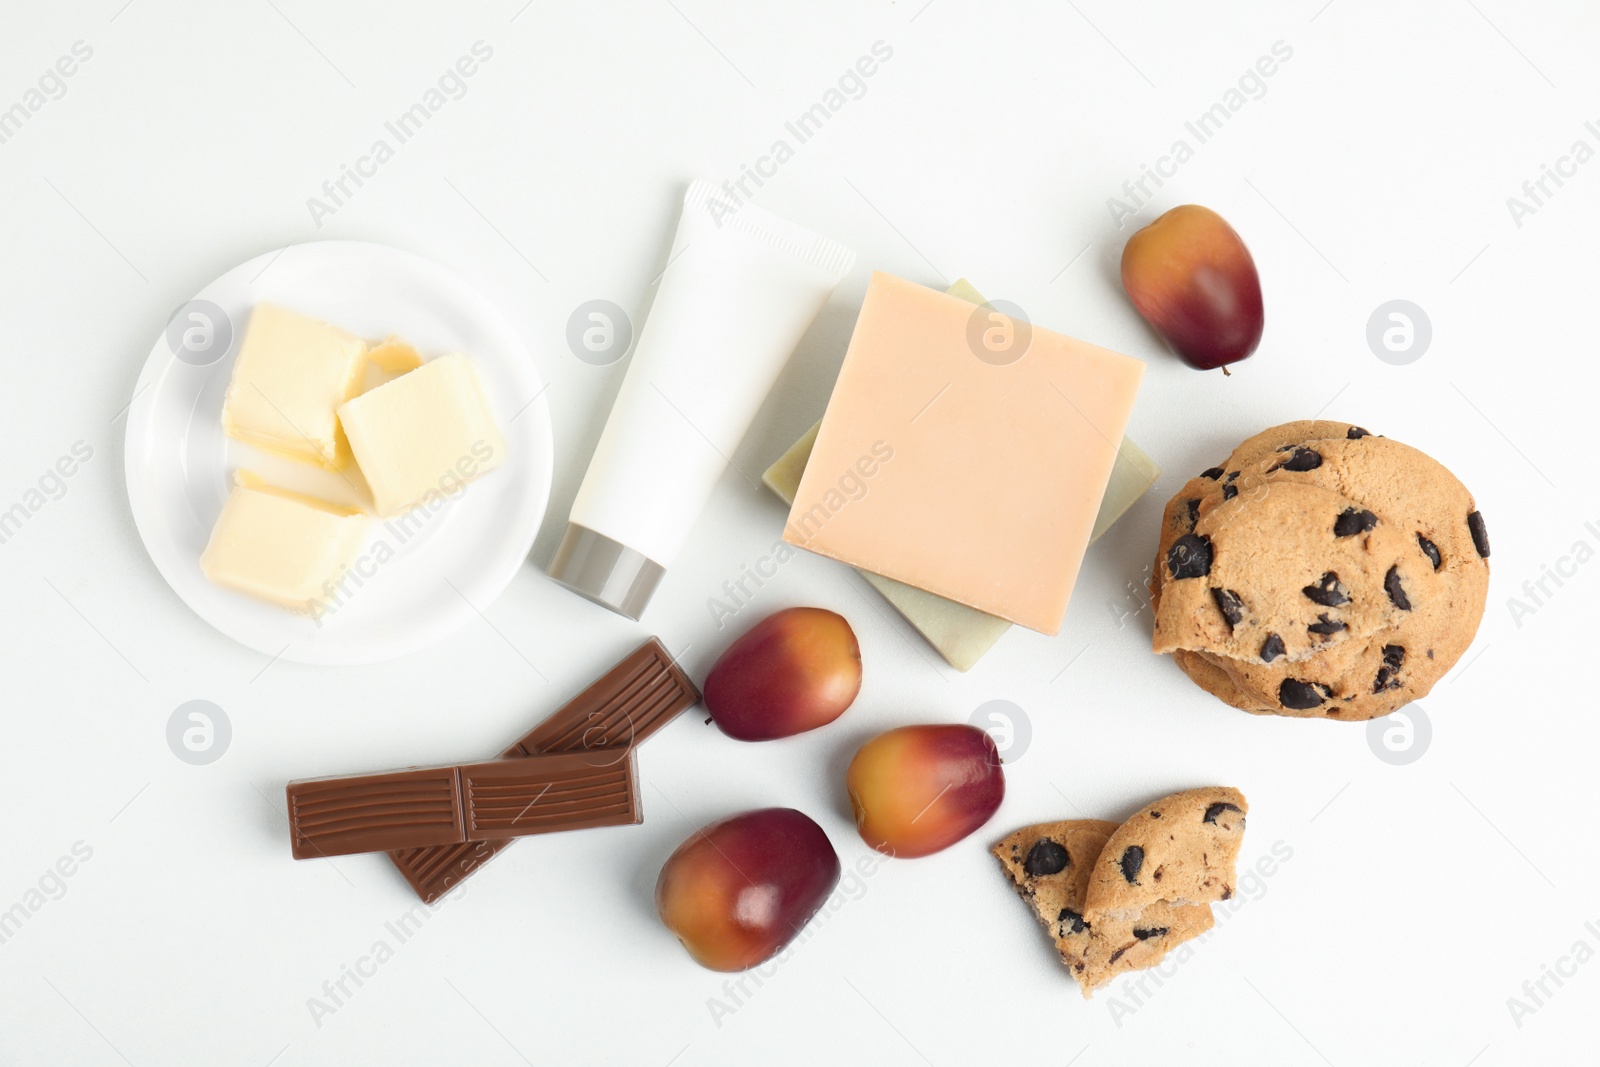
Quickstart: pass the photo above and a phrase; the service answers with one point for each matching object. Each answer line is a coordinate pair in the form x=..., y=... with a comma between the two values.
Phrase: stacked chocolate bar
x=439, y=825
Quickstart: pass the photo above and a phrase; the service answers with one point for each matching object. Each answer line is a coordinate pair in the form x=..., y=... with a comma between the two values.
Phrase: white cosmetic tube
x=740, y=289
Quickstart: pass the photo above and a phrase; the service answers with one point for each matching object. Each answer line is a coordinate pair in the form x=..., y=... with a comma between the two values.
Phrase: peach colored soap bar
x=975, y=479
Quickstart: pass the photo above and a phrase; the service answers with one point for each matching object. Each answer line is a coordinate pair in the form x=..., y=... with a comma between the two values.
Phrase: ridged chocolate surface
x=633, y=700
x=622, y=708
x=455, y=805
x=541, y=794
x=340, y=816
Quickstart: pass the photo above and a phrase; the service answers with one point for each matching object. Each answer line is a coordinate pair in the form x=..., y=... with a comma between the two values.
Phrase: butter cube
x=282, y=547
x=426, y=433
x=288, y=382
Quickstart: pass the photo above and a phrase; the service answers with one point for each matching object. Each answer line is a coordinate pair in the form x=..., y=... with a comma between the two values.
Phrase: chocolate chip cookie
x=1392, y=487
x=1285, y=574
x=1222, y=481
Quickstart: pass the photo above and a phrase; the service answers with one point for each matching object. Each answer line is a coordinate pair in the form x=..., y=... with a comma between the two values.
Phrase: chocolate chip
x=1302, y=696
x=1389, y=674
x=1230, y=605
x=1271, y=648
x=1146, y=934
x=1352, y=521
x=1430, y=550
x=1301, y=460
x=1213, y=473
x=1325, y=625
x=1230, y=491
x=1071, y=921
x=1189, y=556
x=1117, y=955
x=1132, y=860
x=1356, y=433
x=1328, y=591
x=1233, y=476
x=1194, y=512
x=1218, y=808
x=1396, y=591
x=1045, y=857
x=1480, y=535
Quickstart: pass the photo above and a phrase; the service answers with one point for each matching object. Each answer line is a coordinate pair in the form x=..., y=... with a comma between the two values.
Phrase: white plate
x=415, y=581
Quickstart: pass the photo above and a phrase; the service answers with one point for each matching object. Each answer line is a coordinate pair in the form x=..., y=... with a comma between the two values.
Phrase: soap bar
x=426, y=806
x=1132, y=476
x=281, y=547
x=974, y=478
x=960, y=634
x=424, y=434
x=288, y=382
x=615, y=714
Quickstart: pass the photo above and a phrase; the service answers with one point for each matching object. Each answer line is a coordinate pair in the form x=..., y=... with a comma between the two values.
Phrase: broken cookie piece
x=1179, y=850
x=1050, y=865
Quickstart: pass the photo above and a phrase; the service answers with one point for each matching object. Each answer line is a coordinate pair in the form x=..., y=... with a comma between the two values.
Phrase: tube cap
x=605, y=571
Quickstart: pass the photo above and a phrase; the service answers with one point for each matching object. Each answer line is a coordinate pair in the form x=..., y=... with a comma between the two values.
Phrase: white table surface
x=1415, y=900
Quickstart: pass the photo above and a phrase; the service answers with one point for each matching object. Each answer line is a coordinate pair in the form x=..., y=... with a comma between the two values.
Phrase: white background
x=1377, y=165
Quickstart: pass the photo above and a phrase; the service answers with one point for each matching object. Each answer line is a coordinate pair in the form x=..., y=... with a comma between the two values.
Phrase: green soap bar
x=963, y=290
x=1131, y=477
x=962, y=634
x=783, y=477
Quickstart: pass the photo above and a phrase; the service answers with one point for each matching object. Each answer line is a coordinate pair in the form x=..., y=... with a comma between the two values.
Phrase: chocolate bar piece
x=422, y=806
x=619, y=711
x=338, y=816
